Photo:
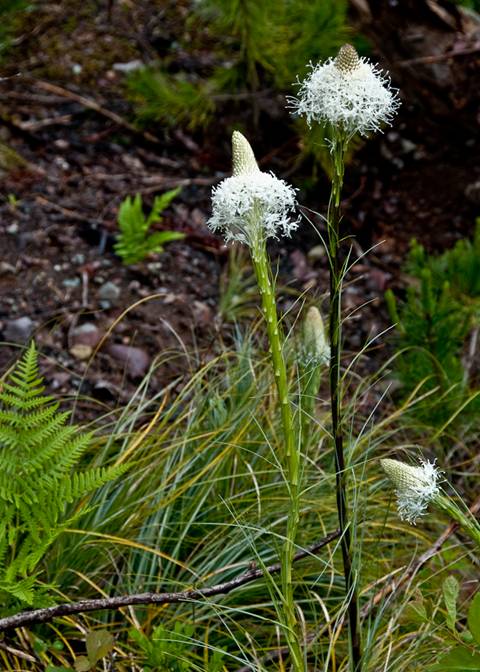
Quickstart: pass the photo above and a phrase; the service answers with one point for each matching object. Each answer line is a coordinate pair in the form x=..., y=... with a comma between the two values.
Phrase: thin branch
x=440, y=57
x=83, y=606
x=91, y=104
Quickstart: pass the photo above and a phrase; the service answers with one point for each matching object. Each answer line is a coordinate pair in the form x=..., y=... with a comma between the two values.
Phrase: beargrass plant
x=250, y=207
x=348, y=96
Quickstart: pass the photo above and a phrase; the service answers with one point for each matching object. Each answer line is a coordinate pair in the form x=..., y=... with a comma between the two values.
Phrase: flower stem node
x=251, y=206
x=349, y=93
x=415, y=487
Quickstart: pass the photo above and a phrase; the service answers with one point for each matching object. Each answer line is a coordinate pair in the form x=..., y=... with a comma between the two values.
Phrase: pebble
x=109, y=292
x=81, y=351
x=202, y=313
x=71, y=283
x=19, y=330
x=136, y=360
x=86, y=334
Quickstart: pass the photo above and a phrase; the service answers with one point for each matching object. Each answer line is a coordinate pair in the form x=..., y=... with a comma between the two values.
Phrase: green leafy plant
x=174, y=651
x=99, y=643
x=134, y=242
x=441, y=306
x=39, y=480
x=11, y=13
x=465, y=653
x=271, y=43
x=460, y=267
x=171, y=99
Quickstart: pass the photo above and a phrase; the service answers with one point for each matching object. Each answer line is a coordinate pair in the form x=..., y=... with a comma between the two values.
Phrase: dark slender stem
x=83, y=606
x=334, y=216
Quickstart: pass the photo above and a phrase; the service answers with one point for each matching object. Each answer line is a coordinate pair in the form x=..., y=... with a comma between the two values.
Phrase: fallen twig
x=193, y=594
x=440, y=57
x=69, y=214
x=93, y=105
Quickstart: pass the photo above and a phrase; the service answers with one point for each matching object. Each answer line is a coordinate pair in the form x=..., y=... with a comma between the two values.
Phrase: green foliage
x=99, y=644
x=271, y=43
x=460, y=267
x=469, y=4
x=171, y=100
x=441, y=306
x=11, y=12
x=474, y=618
x=450, y=595
x=460, y=658
x=39, y=455
x=174, y=651
x=133, y=242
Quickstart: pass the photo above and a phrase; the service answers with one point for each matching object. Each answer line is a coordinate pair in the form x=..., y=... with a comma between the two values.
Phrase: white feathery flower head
x=348, y=92
x=251, y=205
x=415, y=487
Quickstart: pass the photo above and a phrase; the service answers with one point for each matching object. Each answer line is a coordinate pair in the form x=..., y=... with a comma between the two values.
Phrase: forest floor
x=74, y=162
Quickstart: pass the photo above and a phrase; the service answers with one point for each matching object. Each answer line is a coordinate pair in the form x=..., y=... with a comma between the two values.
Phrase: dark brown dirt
x=59, y=206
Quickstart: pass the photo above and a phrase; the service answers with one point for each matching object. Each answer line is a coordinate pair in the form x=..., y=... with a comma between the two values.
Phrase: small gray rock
x=19, y=330
x=109, y=292
x=71, y=283
x=135, y=360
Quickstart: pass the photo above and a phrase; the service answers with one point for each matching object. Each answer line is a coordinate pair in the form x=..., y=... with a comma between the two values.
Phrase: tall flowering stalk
x=347, y=96
x=250, y=207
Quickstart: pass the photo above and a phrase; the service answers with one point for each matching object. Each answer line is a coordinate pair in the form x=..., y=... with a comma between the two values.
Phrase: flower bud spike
x=315, y=348
x=243, y=158
x=347, y=59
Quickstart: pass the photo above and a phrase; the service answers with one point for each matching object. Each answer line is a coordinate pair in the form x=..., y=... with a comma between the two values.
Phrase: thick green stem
x=333, y=222
x=291, y=460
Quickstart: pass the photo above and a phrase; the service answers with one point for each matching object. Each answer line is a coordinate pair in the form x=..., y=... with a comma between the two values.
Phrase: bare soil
x=75, y=163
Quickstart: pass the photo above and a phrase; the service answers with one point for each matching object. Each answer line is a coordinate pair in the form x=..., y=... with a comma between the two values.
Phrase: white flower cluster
x=415, y=487
x=251, y=205
x=348, y=92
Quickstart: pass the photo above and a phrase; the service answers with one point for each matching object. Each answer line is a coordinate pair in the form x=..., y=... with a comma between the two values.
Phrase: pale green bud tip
x=243, y=158
x=347, y=59
x=315, y=346
x=402, y=475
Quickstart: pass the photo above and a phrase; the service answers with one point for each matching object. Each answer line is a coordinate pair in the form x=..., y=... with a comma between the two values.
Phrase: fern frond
x=133, y=244
x=39, y=453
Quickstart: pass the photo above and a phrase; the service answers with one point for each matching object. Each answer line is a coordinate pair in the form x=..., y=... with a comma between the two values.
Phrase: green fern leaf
x=39, y=479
